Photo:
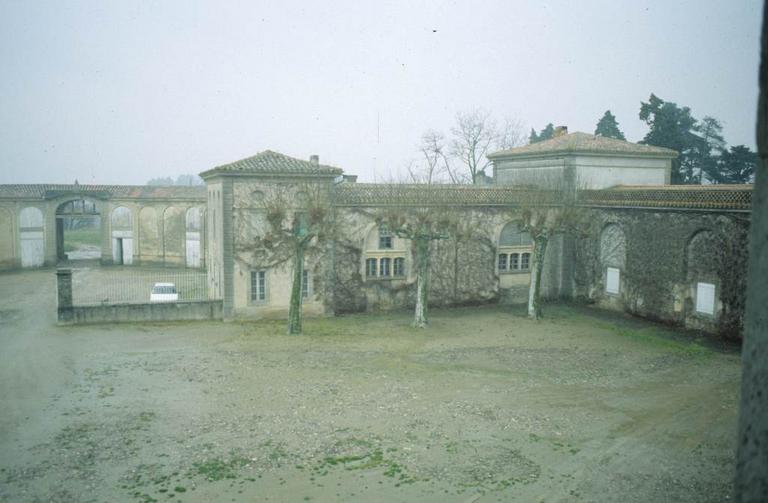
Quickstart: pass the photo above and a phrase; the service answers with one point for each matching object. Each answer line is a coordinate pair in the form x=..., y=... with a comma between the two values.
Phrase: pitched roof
x=274, y=163
x=379, y=194
x=586, y=143
x=50, y=190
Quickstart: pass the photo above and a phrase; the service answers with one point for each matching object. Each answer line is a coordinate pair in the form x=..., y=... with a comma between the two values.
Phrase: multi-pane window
x=385, y=239
x=514, y=261
x=258, y=286
x=304, y=284
x=370, y=267
x=399, y=269
x=385, y=266
x=503, y=261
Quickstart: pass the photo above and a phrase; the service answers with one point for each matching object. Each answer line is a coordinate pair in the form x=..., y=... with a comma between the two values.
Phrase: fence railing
x=133, y=285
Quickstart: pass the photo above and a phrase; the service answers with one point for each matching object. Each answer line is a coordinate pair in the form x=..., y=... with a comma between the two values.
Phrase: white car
x=164, y=292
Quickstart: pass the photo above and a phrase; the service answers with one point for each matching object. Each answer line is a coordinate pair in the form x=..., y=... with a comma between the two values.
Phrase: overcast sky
x=121, y=92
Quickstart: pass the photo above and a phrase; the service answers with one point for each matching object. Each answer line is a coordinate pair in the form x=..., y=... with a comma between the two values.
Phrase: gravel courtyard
x=484, y=405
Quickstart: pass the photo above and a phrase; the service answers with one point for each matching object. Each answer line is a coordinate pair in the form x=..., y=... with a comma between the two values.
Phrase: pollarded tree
x=608, y=127
x=548, y=210
x=298, y=222
x=421, y=226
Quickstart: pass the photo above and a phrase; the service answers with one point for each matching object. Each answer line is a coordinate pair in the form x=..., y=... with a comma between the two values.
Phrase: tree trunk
x=534, y=291
x=751, y=482
x=422, y=282
x=294, y=311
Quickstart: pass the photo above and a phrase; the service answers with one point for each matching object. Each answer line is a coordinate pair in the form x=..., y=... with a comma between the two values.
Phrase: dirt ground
x=483, y=405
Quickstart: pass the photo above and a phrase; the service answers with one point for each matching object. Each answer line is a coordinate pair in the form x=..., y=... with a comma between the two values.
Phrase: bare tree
x=436, y=164
x=297, y=222
x=476, y=134
x=421, y=226
x=549, y=210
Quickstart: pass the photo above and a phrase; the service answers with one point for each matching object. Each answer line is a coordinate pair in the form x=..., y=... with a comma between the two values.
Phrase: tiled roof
x=585, y=143
x=269, y=162
x=377, y=194
x=47, y=191
x=715, y=197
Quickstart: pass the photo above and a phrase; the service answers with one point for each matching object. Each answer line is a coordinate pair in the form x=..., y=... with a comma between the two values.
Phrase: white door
x=127, y=251
x=32, y=249
x=193, y=249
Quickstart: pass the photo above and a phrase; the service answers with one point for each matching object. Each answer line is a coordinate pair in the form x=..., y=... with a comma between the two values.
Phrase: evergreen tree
x=545, y=134
x=736, y=165
x=674, y=127
x=608, y=127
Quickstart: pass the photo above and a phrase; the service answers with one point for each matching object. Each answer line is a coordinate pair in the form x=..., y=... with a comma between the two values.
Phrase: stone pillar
x=64, y=295
x=228, y=238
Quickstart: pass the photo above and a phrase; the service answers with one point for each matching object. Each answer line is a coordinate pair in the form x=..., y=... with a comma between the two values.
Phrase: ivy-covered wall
x=662, y=255
x=462, y=268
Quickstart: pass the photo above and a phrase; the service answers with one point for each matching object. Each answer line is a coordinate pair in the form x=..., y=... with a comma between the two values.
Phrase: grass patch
x=218, y=469
x=75, y=239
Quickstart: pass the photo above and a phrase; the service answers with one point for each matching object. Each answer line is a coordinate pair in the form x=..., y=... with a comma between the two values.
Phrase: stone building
x=673, y=253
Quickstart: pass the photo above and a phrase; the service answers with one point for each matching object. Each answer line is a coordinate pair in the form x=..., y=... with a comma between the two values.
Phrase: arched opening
x=78, y=230
x=515, y=250
x=121, y=223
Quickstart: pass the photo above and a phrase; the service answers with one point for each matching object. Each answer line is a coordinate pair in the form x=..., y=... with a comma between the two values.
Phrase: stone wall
x=463, y=268
x=661, y=256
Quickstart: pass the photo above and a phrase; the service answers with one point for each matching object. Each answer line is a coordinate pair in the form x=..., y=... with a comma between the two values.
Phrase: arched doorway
x=78, y=230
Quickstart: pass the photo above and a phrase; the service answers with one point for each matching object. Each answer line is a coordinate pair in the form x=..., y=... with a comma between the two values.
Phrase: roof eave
x=560, y=152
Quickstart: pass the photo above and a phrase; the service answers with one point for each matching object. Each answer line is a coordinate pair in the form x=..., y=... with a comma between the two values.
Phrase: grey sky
x=120, y=92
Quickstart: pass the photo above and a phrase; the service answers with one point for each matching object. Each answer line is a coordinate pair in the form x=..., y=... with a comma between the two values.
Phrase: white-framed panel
x=612, y=280
x=705, y=298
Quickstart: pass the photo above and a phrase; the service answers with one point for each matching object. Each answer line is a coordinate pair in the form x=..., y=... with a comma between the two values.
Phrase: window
x=399, y=269
x=612, y=276
x=512, y=235
x=258, y=286
x=385, y=239
x=514, y=262
x=304, y=284
x=525, y=261
x=705, y=298
x=384, y=266
x=502, y=261
x=370, y=267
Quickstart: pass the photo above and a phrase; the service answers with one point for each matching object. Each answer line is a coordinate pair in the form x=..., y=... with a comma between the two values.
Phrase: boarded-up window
x=705, y=298
x=612, y=278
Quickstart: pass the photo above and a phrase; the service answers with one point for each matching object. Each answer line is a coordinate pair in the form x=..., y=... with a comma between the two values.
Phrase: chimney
x=560, y=131
x=314, y=159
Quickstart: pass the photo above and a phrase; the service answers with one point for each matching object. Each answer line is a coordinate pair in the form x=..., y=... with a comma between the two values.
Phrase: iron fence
x=133, y=285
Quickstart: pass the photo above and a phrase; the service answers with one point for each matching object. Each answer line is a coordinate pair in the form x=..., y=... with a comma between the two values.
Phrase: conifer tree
x=608, y=127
